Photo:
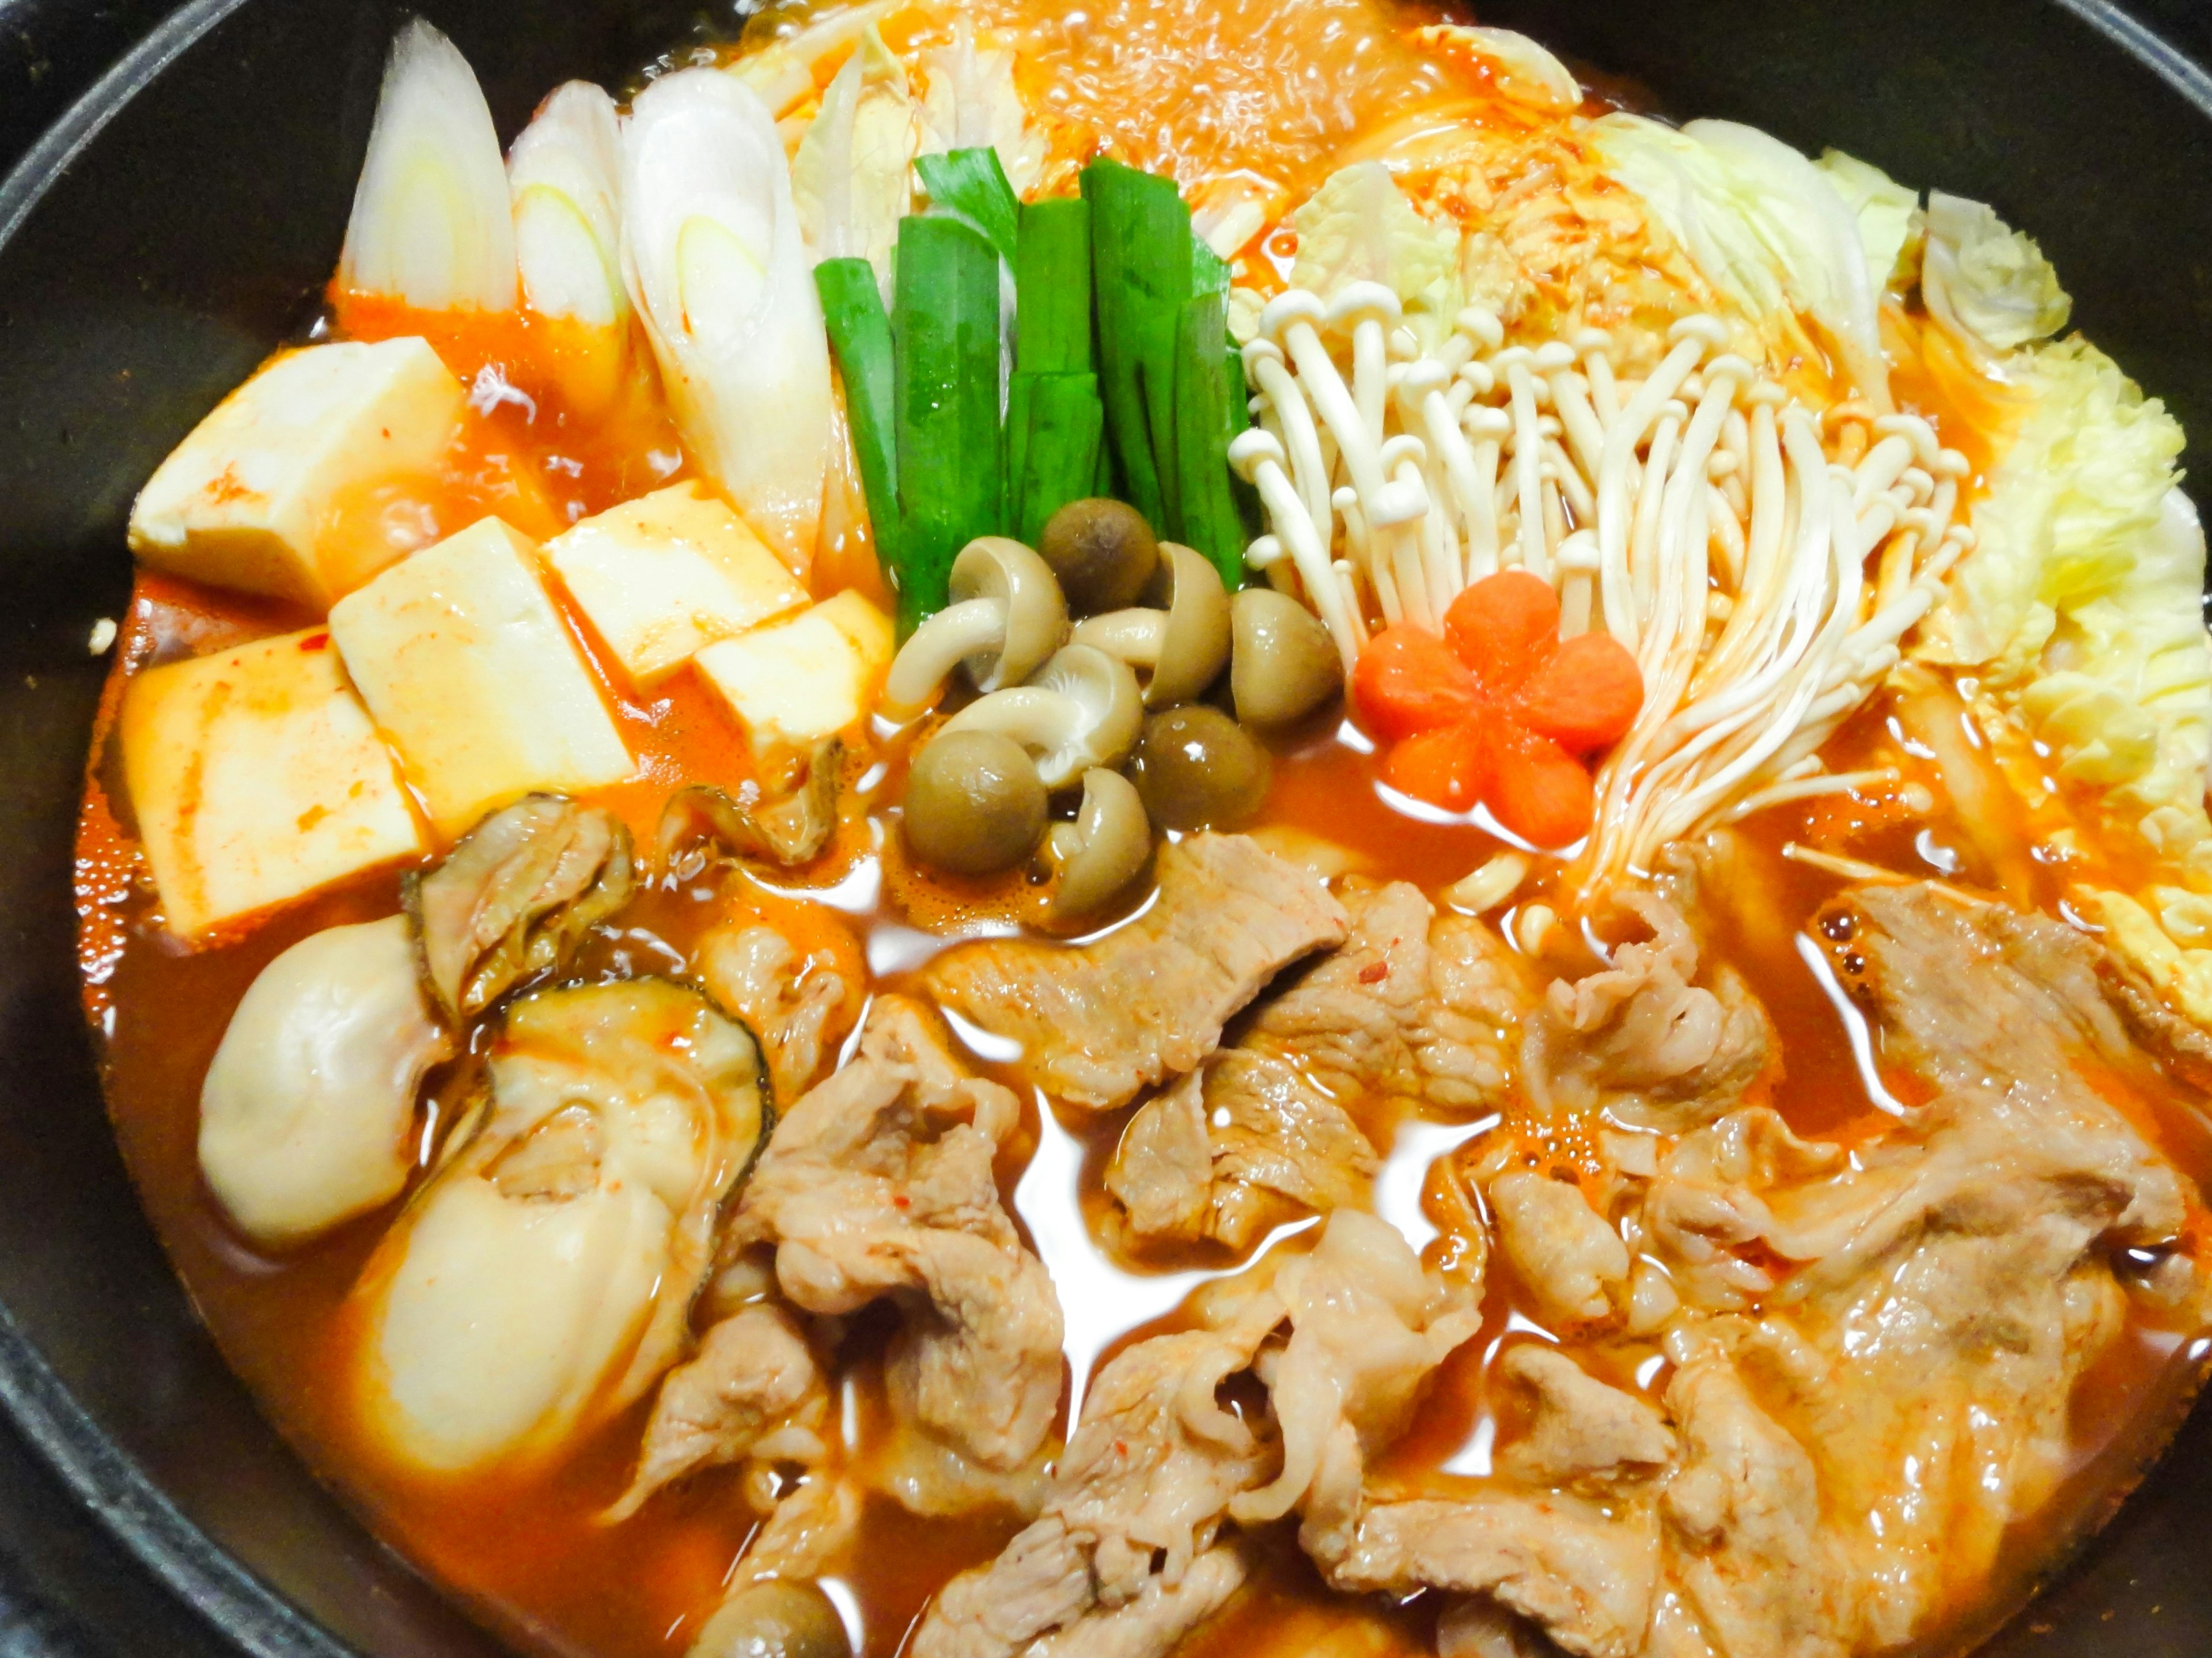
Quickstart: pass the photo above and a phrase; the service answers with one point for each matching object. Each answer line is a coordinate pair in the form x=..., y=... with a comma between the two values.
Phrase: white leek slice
x=719, y=273
x=565, y=172
x=431, y=222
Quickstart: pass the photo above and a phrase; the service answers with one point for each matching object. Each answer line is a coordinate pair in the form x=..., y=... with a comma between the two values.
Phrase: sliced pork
x=1098, y=1023
x=1873, y=1350
x=1644, y=1038
x=879, y=1182
x=1410, y=1006
x=1132, y=1549
x=752, y=1392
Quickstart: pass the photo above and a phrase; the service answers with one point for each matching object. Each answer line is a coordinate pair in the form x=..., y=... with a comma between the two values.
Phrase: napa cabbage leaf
x=1767, y=228
x=1359, y=226
x=852, y=175
x=1986, y=282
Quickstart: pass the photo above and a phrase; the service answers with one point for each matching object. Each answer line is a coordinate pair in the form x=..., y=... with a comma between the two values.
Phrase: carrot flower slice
x=1500, y=710
x=1407, y=681
x=1505, y=627
x=1533, y=786
x=1585, y=698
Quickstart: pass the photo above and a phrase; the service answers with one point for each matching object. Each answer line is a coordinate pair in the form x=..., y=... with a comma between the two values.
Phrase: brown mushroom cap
x=974, y=802
x=1102, y=550
x=1102, y=851
x=1284, y=665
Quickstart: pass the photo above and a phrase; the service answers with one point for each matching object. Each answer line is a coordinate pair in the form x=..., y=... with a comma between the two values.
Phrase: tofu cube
x=257, y=776
x=278, y=490
x=474, y=679
x=663, y=577
x=796, y=682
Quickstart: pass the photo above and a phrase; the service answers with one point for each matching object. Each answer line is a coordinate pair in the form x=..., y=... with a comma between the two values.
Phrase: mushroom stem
x=938, y=646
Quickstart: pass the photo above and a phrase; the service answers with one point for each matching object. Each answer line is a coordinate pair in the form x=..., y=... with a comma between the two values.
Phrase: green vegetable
x=1055, y=422
x=971, y=185
x=945, y=337
x=1052, y=288
x=860, y=335
x=1141, y=263
x=1056, y=434
x=1207, y=414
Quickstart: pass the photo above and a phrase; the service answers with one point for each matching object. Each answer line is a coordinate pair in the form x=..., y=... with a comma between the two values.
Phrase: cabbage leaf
x=1359, y=226
x=970, y=101
x=1891, y=224
x=2080, y=605
x=852, y=175
x=1986, y=282
x=1767, y=228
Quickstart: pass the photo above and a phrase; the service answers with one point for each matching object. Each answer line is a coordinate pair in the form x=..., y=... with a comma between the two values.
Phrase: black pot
x=176, y=223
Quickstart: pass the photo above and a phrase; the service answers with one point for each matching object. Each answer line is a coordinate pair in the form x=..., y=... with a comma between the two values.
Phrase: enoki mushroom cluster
x=1760, y=559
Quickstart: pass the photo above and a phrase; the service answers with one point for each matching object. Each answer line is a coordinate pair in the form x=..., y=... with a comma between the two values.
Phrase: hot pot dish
x=1213, y=830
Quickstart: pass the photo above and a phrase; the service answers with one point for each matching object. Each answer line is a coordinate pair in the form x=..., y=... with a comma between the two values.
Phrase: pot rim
x=104, y=1479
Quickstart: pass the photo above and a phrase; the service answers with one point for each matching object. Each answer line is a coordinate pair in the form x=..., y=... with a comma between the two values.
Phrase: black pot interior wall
x=188, y=234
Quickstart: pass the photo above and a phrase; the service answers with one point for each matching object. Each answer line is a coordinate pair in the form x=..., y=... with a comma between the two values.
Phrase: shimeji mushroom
x=1101, y=852
x=306, y=1110
x=1083, y=710
x=1282, y=667
x=1101, y=551
x=1006, y=618
x=974, y=803
x=1181, y=645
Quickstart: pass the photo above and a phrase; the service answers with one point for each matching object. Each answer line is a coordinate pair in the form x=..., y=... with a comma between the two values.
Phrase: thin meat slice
x=1573, y=1264
x=1645, y=1040
x=1586, y=1574
x=752, y=1392
x=879, y=1182
x=1745, y=1542
x=1410, y=1006
x=789, y=1001
x=1132, y=1548
x=1580, y=1432
x=1099, y=1023
x=1367, y=1329
x=1136, y=1505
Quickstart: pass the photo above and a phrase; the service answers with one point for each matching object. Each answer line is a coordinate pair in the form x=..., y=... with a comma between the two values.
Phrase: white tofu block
x=663, y=577
x=278, y=490
x=799, y=681
x=256, y=776
x=475, y=680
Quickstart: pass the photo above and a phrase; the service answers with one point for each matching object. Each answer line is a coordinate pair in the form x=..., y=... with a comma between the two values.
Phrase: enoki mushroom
x=1761, y=562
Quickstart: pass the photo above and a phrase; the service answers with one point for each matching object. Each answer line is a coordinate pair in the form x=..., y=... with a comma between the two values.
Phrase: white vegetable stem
x=1695, y=515
x=565, y=173
x=431, y=223
x=715, y=264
